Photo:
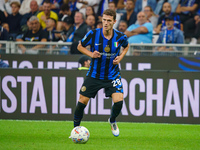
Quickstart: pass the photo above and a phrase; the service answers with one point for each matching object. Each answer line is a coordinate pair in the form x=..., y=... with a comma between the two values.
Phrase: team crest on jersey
x=83, y=88
x=116, y=44
x=107, y=48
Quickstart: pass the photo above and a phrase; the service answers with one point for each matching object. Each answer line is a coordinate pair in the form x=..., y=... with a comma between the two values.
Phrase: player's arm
x=85, y=51
x=118, y=59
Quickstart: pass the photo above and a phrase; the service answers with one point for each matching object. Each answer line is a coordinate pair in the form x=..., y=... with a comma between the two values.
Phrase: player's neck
x=108, y=34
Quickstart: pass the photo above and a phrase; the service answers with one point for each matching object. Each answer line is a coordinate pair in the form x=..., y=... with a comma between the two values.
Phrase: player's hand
x=116, y=60
x=96, y=54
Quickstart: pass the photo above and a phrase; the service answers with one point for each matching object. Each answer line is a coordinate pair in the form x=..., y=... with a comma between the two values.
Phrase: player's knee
x=83, y=99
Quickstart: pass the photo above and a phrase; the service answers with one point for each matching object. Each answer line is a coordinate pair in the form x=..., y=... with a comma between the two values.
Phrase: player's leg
x=116, y=109
x=78, y=115
x=117, y=106
x=88, y=90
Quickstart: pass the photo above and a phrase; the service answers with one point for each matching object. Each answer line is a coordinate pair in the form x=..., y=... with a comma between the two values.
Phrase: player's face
x=108, y=22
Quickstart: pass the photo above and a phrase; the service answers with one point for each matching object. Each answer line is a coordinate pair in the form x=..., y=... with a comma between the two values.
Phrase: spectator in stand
x=46, y=13
x=167, y=12
x=130, y=16
x=67, y=24
x=186, y=9
x=82, y=5
x=141, y=4
x=192, y=28
x=151, y=16
x=122, y=26
x=90, y=11
x=141, y=32
x=14, y=20
x=55, y=5
x=159, y=11
x=112, y=6
x=33, y=12
x=24, y=30
x=36, y=34
x=50, y=29
x=90, y=21
x=65, y=12
x=77, y=32
x=5, y=6
x=169, y=35
x=29, y=6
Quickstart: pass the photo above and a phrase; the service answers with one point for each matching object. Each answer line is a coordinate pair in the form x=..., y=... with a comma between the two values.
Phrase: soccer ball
x=80, y=135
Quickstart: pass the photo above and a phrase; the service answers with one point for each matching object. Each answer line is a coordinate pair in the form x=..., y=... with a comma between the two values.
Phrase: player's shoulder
x=94, y=30
x=119, y=33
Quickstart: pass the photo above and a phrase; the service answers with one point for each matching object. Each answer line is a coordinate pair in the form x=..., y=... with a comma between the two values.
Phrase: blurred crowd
x=173, y=21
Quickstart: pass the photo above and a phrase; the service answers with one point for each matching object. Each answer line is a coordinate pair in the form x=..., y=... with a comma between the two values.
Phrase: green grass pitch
x=53, y=135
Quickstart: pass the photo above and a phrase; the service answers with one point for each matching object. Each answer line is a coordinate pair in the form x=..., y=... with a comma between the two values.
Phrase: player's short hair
x=110, y=12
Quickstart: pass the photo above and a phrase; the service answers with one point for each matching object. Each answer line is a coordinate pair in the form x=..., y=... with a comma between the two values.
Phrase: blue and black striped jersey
x=103, y=68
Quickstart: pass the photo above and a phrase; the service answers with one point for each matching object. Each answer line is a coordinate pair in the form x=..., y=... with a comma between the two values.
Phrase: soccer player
x=105, y=44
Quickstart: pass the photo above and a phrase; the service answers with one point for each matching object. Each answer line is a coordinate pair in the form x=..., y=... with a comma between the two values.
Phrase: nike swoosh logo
x=97, y=44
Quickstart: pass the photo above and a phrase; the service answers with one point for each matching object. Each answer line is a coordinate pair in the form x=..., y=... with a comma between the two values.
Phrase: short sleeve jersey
x=103, y=68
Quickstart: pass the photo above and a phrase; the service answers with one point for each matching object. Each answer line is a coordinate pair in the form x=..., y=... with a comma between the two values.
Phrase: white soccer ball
x=80, y=135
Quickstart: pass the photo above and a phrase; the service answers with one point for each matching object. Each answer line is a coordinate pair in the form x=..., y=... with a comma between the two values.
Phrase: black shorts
x=91, y=86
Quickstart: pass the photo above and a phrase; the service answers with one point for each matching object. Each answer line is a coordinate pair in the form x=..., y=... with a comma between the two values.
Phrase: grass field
x=47, y=135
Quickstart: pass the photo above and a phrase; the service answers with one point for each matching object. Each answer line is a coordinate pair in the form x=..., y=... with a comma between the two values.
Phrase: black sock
x=78, y=115
x=116, y=109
